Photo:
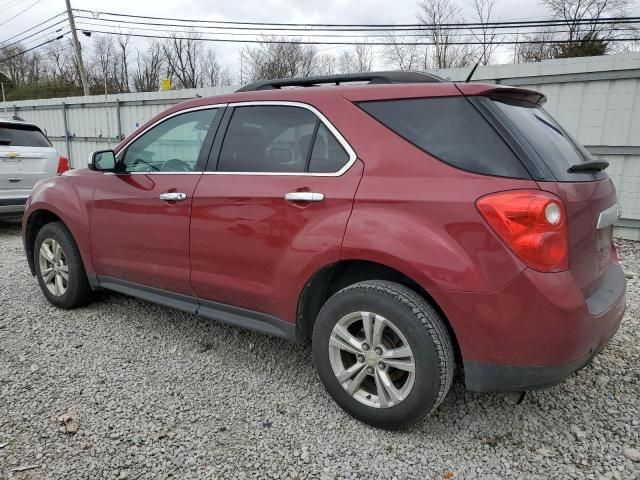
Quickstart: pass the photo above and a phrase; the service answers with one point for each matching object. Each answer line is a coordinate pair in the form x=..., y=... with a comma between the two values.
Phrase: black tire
x=78, y=292
x=425, y=333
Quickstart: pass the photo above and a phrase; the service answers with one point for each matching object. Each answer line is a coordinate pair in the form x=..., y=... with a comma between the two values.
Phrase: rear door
x=271, y=208
x=140, y=217
x=26, y=156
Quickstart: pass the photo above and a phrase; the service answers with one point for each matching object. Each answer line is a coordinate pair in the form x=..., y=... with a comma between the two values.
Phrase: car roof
x=16, y=121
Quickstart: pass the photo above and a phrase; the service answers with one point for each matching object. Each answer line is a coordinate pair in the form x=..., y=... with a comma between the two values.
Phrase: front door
x=272, y=207
x=140, y=217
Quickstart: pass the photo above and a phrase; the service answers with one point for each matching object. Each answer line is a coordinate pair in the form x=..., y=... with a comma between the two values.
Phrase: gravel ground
x=156, y=393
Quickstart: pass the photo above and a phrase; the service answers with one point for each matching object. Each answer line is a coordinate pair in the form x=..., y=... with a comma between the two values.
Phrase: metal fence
x=596, y=98
x=78, y=126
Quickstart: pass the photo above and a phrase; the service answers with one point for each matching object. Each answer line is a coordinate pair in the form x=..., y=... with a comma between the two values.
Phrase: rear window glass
x=22, y=136
x=554, y=146
x=451, y=129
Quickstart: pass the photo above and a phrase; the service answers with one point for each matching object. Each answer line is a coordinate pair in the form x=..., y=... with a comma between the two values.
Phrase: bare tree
x=483, y=10
x=326, y=64
x=121, y=66
x=277, y=58
x=183, y=56
x=536, y=47
x=404, y=53
x=359, y=58
x=100, y=64
x=213, y=73
x=64, y=70
x=582, y=33
x=148, y=68
x=435, y=15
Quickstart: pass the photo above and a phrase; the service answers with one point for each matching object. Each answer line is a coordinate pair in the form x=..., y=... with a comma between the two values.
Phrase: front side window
x=279, y=139
x=171, y=146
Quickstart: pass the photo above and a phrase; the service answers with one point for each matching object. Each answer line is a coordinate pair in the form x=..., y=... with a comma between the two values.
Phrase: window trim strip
x=334, y=131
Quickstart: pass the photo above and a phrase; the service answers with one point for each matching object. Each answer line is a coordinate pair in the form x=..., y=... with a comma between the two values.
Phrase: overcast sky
x=291, y=11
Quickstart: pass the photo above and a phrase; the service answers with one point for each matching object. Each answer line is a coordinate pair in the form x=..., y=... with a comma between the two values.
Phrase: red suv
x=403, y=224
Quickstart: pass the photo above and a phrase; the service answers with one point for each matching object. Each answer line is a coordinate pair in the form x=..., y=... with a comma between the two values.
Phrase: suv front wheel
x=383, y=353
x=59, y=267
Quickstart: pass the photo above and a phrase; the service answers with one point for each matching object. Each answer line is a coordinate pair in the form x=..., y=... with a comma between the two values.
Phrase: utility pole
x=76, y=46
x=4, y=100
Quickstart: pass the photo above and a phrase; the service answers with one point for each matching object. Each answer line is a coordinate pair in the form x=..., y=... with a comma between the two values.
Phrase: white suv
x=26, y=156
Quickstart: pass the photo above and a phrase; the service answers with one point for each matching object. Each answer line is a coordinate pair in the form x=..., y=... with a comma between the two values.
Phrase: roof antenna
x=475, y=67
x=473, y=70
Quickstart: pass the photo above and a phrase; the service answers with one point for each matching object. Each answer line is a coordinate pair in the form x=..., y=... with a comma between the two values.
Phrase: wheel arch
x=336, y=276
x=36, y=220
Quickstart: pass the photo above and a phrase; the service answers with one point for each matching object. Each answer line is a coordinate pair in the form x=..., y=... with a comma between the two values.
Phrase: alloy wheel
x=372, y=359
x=53, y=267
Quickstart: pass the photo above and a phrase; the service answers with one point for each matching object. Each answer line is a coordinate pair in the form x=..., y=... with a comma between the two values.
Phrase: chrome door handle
x=304, y=197
x=173, y=196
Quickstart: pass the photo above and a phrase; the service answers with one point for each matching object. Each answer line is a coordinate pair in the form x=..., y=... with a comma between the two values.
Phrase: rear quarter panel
x=417, y=214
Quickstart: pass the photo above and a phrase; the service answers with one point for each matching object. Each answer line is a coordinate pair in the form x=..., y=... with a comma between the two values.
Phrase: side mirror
x=103, y=161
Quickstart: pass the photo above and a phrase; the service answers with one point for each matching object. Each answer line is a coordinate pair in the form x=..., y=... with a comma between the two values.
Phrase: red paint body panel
x=139, y=238
x=238, y=242
x=539, y=319
x=253, y=249
x=69, y=197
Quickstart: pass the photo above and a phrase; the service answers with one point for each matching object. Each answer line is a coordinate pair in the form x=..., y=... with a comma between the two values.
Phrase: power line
x=32, y=48
x=311, y=35
x=353, y=27
x=21, y=12
x=303, y=42
x=13, y=3
x=31, y=28
x=21, y=40
x=306, y=32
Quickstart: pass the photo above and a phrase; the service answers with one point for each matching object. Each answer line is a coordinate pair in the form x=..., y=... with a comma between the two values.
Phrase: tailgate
x=589, y=246
x=22, y=167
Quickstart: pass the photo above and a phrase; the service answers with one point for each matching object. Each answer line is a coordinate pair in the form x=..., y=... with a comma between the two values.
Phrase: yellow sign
x=165, y=85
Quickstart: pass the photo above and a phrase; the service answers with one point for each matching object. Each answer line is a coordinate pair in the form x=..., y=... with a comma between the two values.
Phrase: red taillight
x=532, y=223
x=63, y=165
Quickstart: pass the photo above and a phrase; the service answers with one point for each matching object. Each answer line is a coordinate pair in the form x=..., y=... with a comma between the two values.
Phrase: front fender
x=68, y=197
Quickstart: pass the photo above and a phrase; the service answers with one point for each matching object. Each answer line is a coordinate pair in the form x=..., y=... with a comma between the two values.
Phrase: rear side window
x=279, y=139
x=22, y=136
x=327, y=154
x=450, y=129
x=549, y=141
x=267, y=139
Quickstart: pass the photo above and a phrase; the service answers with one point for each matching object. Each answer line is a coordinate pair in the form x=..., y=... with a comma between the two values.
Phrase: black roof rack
x=371, y=77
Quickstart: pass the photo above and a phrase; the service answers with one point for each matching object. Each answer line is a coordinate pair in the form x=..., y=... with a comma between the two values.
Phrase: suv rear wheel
x=383, y=353
x=59, y=267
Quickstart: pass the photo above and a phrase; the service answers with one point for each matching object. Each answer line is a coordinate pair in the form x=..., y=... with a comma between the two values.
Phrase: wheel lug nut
x=365, y=347
x=381, y=366
x=360, y=358
x=370, y=370
x=378, y=351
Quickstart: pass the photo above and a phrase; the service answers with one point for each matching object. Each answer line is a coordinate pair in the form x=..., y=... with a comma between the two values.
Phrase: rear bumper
x=480, y=377
x=536, y=331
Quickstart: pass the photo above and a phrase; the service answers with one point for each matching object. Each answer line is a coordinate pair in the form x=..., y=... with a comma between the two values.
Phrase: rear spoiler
x=498, y=91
